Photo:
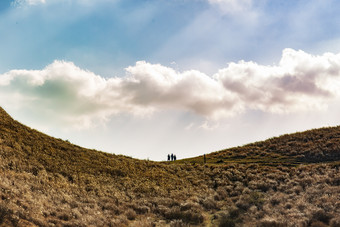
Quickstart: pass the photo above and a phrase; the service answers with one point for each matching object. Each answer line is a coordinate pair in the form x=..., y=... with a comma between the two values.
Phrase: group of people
x=171, y=157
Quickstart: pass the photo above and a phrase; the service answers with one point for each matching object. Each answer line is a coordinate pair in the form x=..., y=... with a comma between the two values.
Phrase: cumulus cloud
x=158, y=87
x=63, y=91
x=300, y=82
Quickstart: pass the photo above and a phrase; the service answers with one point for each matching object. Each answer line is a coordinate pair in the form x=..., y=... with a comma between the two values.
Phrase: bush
x=335, y=222
x=188, y=206
x=64, y=216
x=3, y=213
x=322, y=216
x=225, y=220
x=142, y=209
x=131, y=214
x=234, y=212
x=246, y=201
x=177, y=223
x=209, y=203
x=143, y=223
x=318, y=224
x=192, y=216
x=269, y=222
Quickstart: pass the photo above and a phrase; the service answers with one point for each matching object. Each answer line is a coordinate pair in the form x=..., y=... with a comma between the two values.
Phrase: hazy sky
x=145, y=78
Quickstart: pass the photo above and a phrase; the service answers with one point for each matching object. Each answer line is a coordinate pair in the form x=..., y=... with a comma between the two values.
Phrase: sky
x=145, y=78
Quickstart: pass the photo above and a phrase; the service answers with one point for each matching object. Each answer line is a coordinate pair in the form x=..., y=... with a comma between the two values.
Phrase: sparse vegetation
x=292, y=180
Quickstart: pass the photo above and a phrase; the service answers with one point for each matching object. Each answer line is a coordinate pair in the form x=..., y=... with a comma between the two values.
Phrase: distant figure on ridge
x=168, y=157
x=172, y=157
x=204, y=159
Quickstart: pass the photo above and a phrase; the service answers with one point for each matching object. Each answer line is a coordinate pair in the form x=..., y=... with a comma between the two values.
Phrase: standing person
x=204, y=158
x=172, y=157
x=168, y=157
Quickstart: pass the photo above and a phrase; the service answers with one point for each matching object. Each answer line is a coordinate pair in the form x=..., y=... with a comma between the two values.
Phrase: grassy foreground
x=292, y=180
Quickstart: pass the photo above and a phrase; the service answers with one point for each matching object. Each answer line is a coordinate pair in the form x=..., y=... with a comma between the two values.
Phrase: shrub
x=224, y=220
x=318, y=224
x=117, y=222
x=112, y=208
x=270, y=222
x=188, y=206
x=234, y=212
x=335, y=222
x=243, y=203
x=246, y=201
x=221, y=194
x=64, y=216
x=274, y=201
x=7, y=218
x=177, y=223
x=322, y=216
x=143, y=223
x=209, y=203
x=130, y=214
x=142, y=209
x=173, y=213
x=192, y=216
x=3, y=213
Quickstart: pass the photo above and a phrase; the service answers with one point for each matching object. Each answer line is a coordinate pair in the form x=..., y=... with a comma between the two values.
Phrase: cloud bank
x=300, y=82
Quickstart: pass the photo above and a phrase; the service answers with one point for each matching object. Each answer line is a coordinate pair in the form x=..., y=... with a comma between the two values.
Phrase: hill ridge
x=310, y=146
x=4, y=116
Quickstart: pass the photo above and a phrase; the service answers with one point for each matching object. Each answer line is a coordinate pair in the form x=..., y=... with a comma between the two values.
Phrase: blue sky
x=147, y=78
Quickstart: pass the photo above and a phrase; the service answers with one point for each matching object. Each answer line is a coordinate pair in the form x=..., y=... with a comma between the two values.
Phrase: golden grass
x=313, y=146
x=51, y=182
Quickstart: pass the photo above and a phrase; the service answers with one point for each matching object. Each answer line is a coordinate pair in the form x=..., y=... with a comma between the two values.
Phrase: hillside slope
x=312, y=146
x=50, y=182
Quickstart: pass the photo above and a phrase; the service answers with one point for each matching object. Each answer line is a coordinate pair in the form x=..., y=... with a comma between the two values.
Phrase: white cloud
x=68, y=94
x=158, y=87
x=300, y=82
x=233, y=7
x=37, y=2
x=33, y=2
x=29, y=2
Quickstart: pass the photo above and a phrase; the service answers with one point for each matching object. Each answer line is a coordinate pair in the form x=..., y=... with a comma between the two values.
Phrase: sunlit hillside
x=313, y=146
x=292, y=180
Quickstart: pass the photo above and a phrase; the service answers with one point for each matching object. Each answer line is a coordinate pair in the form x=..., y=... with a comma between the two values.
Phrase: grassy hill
x=292, y=180
x=313, y=146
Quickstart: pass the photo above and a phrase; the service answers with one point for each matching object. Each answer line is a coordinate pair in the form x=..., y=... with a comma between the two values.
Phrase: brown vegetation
x=313, y=146
x=292, y=180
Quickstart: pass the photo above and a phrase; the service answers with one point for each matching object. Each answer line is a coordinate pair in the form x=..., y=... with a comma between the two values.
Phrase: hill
x=313, y=146
x=291, y=180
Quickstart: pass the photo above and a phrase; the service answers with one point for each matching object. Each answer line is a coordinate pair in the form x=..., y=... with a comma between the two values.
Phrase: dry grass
x=50, y=182
x=318, y=145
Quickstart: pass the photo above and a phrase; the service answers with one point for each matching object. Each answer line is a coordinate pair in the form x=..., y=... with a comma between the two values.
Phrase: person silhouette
x=168, y=157
x=172, y=157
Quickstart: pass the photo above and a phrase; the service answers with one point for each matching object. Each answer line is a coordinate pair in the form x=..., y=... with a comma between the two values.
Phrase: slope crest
x=312, y=146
